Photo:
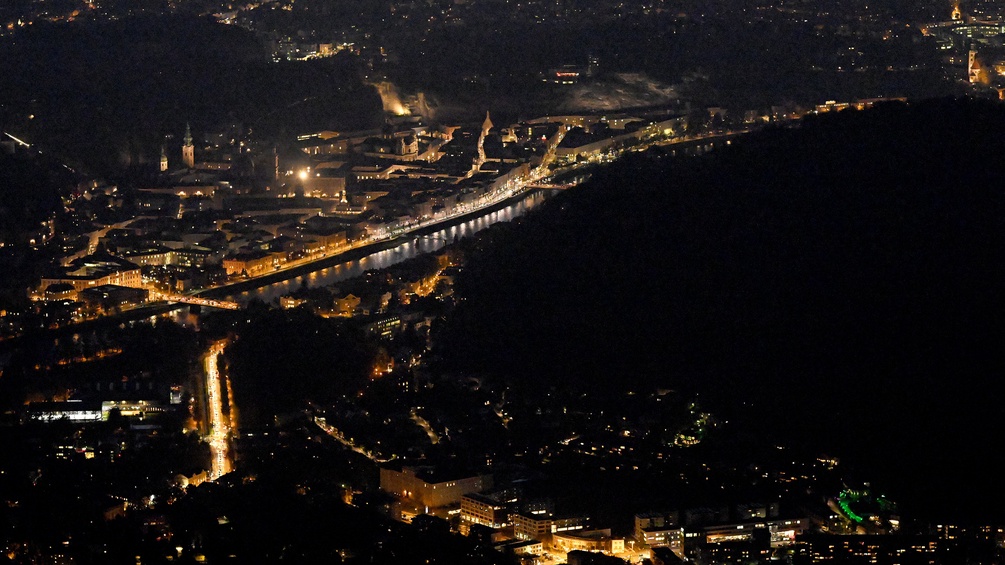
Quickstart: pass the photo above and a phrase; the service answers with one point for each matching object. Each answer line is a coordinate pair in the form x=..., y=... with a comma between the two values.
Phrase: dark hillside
x=837, y=285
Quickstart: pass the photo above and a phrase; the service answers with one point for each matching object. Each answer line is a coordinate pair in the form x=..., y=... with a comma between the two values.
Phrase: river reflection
x=411, y=246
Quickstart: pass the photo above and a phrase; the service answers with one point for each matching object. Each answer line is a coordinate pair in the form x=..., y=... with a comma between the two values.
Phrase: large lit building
x=96, y=270
x=484, y=510
x=430, y=488
x=72, y=411
x=251, y=263
x=659, y=529
x=529, y=525
x=592, y=540
x=777, y=532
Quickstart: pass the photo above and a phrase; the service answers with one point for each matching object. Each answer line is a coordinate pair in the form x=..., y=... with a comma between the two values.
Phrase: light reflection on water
x=409, y=248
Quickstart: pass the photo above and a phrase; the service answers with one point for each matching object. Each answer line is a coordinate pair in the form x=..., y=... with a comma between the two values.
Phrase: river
x=410, y=247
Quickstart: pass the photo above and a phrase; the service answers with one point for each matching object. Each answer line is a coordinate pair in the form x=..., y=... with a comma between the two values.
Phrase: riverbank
x=230, y=290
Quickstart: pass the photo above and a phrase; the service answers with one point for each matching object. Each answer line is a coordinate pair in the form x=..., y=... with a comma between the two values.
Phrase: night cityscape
x=502, y=282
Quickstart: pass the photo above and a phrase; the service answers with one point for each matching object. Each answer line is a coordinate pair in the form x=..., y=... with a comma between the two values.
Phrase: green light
x=843, y=503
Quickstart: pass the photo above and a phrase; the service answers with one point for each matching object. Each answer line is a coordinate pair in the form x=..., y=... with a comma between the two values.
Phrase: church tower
x=486, y=126
x=974, y=67
x=188, y=150
x=164, y=159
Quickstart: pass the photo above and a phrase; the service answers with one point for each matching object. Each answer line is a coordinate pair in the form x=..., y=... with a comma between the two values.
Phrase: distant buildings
x=835, y=106
x=606, y=134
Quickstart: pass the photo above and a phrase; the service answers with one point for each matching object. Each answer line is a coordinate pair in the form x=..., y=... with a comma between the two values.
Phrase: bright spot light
x=303, y=175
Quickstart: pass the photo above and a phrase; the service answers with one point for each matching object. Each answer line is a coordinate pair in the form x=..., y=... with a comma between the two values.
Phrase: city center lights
x=535, y=282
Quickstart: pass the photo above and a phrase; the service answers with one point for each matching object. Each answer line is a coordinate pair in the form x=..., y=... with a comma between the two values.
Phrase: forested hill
x=843, y=278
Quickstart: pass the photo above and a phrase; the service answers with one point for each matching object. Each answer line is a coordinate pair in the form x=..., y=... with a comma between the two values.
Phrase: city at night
x=502, y=282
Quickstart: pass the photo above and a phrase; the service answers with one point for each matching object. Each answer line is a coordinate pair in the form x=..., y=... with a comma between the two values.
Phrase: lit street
x=219, y=426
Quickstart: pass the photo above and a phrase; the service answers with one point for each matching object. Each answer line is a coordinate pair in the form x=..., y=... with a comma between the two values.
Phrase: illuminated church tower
x=957, y=15
x=188, y=150
x=486, y=126
x=973, y=67
x=164, y=159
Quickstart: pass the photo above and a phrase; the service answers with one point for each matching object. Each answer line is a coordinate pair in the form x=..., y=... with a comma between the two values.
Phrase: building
x=385, y=326
x=659, y=529
x=71, y=410
x=249, y=263
x=776, y=533
x=134, y=408
x=430, y=488
x=566, y=74
x=580, y=144
x=665, y=556
x=150, y=257
x=484, y=510
x=347, y=305
x=61, y=291
x=328, y=238
x=540, y=525
x=96, y=270
x=187, y=149
x=290, y=302
x=520, y=547
x=531, y=526
x=111, y=297
x=591, y=540
x=868, y=549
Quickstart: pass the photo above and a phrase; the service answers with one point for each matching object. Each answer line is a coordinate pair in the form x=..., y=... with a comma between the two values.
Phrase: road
x=348, y=442
x=219, y=426
x=190, y=299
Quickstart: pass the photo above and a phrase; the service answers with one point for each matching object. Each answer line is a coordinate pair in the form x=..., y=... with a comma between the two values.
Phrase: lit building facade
x=484, y=510
x=410, y=483
x=593, y=540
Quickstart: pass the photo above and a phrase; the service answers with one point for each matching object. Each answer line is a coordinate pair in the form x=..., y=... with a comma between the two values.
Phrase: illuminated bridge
x=210, y=302
x=548, y=186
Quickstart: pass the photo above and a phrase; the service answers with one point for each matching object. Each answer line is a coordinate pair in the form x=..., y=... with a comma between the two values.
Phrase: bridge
x=197, y=300
x=548, y=186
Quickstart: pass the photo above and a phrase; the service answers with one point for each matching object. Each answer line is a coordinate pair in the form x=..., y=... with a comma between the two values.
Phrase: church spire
x=188, y=150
